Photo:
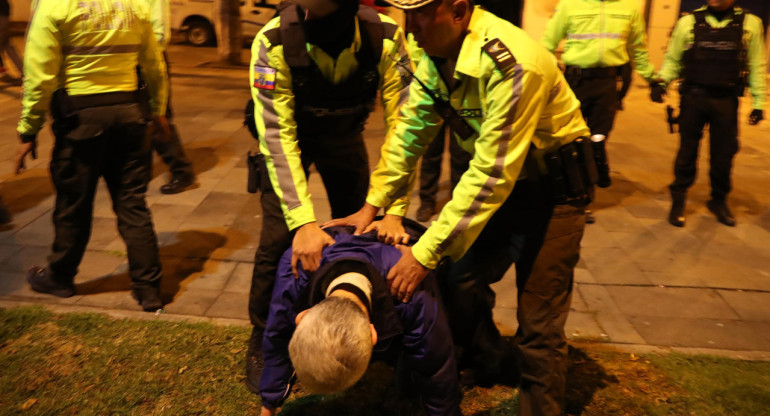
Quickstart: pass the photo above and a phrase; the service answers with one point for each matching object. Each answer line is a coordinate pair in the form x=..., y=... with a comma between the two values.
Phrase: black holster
x=571, y=173
x=255, y=161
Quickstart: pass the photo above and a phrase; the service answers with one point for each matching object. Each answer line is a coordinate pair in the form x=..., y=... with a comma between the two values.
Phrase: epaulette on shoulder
x=389, y=30
x=504, y=59
x=273, y=36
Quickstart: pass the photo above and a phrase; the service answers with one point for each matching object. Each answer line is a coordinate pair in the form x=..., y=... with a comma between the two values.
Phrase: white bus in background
x=197, y=19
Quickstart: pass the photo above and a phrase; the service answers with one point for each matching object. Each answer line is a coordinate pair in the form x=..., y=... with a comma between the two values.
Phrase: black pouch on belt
x=254, y=161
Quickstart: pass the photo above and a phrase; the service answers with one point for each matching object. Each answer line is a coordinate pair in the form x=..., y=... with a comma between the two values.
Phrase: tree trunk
x=229, y=32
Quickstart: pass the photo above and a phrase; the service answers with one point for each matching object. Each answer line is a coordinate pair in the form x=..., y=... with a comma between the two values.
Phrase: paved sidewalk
x=640, y=282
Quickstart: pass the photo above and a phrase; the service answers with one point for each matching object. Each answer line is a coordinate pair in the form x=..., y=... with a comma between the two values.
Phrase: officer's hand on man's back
x=755, y=117
x=307, y=246
x=657, y=91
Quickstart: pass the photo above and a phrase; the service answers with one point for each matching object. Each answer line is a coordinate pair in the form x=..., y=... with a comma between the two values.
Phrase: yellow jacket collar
x=469, y=59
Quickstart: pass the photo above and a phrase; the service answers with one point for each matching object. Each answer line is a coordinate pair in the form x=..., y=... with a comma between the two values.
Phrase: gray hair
x=331, y=347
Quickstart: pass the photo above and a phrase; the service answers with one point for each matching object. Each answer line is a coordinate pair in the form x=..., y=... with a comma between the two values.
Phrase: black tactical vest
x=717, y=57
x=323, y=109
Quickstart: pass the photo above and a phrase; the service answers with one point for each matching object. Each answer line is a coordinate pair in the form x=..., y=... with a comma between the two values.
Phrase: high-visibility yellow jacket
x=274, y=111
x=526, y=103
x=89, y=48
x=600, y=33
x=753, y=40
x=161, y=21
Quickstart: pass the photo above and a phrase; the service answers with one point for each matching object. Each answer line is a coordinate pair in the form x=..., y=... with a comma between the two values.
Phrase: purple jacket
x=419, y=327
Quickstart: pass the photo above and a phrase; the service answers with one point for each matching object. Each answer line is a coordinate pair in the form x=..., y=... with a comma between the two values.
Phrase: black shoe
x=5, y=216
x=177, y=184
x=425, y=212
x=590, y=219
x=148, y=298
x=254, y=361
x=719, y=208
x=676, y=215
x=40, y=281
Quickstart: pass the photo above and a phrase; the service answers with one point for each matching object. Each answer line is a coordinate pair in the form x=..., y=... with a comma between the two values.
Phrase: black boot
x=719, y=208
x=148, y=298
x=254, y=361
x=676, y=216
x=42, y=280
x=602, y=164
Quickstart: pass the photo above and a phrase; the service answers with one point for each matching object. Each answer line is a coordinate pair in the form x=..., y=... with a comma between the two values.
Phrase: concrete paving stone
x=670, y=301
x=240, y=279
x=234, y=254
x=644, y=207
x=578, y=303
x=750, y=306
x=703, y=333
x=8, y=250
x=717, y=273
x=237, y=238
x=629, y=241
x=580, y=325
x=169, y=217
x=612, y=266
x=583, y=326
x=583, y=275
x=230, y=305
x=194, y=241
x=619, y=219
x=99, y=264
x=595, y=236
x=505, y=290
x=216, y=171
x=683, y=279
x=192, y=302
x=117, y=299
x=178, y=271
x=234, y=182
x=608, y=315
x=103, y=232
x=505, y=320
x=218, y=209
x=25, y=258
x=213, y=277
x=38, y=233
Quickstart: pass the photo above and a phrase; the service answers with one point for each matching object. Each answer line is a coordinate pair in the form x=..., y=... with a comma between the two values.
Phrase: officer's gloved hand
x=755, y=117
x=657, y=91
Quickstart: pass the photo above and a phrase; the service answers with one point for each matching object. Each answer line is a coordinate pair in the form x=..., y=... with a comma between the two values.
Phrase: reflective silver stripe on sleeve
x=99, y=50
x=594, y=36
x=497, y=170
x=273, y=140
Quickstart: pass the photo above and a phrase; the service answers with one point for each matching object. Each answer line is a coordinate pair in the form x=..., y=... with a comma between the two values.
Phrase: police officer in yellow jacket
x=520, y=201
x=599, y=34
x=80, y=62
x=716, y=51
x=169, y=149
x=315, y=72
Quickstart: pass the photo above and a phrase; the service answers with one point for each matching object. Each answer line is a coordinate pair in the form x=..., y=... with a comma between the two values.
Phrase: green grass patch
x=89, y=364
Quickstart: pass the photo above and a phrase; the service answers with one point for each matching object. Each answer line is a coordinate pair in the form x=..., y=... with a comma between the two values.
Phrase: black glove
x=657, y=92
x=755, y=117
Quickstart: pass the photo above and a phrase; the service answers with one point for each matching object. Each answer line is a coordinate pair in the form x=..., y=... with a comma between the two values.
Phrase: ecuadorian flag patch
x=264, y=77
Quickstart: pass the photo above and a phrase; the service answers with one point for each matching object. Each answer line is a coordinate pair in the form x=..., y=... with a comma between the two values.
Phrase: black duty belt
x=598, y=72
x=79, y=102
